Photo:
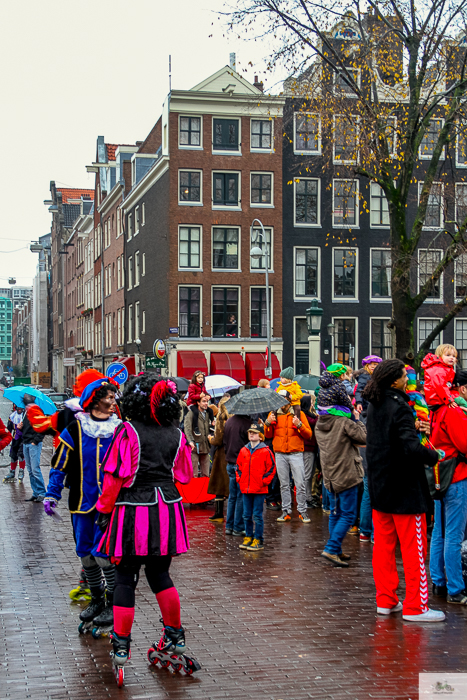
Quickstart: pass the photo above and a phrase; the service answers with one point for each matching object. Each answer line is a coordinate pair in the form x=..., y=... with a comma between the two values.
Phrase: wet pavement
x=274, y=624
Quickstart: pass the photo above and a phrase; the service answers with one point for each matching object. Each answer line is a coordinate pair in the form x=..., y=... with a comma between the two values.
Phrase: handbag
x=440, y=476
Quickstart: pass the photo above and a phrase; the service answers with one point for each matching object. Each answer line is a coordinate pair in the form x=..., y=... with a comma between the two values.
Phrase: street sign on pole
x=118, y=372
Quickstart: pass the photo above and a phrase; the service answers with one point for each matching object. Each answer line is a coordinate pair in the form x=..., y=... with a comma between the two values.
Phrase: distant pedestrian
x=32, y=448
x=16, y=447
x=196, y=388
x=219, y=479
x=200, y=443
x=369, y=365
x=235, y=437
x=310, y=448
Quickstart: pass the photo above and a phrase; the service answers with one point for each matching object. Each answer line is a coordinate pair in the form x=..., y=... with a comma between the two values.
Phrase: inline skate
x=81, y=592
x=103, y=623
x=170, y=651
x=10, y=477
x=119, y=655
x=95, y=607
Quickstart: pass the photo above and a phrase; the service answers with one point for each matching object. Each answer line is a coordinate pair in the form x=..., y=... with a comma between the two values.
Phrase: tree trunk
x=403, y=316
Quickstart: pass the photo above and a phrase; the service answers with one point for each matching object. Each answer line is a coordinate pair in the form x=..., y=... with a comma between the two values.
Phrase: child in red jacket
x=440, y=370
x=195, y=389
x=255, y=471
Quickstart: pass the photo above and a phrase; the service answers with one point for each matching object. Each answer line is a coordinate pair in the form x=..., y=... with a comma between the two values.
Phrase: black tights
x=127, y=577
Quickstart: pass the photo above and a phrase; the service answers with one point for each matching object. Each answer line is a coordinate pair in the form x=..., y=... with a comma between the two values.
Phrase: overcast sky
x=73, y=71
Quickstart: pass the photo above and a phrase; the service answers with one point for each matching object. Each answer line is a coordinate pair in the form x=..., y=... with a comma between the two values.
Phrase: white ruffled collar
x=97, y=428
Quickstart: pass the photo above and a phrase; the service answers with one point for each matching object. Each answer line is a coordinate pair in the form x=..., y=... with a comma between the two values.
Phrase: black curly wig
x=100, y=394
x=136, y=401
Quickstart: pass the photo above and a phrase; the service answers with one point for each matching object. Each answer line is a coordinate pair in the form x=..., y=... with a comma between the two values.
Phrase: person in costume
x=76, y=464
x=142, y=515
x=15, y=423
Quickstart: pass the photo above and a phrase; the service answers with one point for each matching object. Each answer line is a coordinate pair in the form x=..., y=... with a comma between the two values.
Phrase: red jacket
x=449, y=433
x=255, y=468
x=438, y=380
x=5, y=437
x=194, y=393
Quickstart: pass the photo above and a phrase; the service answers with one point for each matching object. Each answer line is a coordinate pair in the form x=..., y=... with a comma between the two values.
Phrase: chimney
x=258, y=85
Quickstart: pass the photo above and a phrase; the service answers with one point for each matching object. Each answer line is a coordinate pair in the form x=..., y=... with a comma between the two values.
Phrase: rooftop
x=74, y=193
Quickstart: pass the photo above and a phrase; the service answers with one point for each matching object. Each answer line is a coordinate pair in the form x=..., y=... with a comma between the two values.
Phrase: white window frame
x=456, y=341
x=226, y=153
x=224, y=269
x=378, y=300
x=306, y=298
x=271, y=306
x=260, y=205
x=305, y=225
x=187, y=269
x=458, y=184
x=441, y=223
x=346, y=300
x=200, y=287
x=182, y=203
x=137, y=320
x=457, y=298
x=461, y=164
x=185, y=147
x=143, y=265
x=393, y=150
x=375, y=318
x=130, y=324
x=227, y=207
x=430, y=300
x=263, y=150
x=143, y=322
x=343, y=317
x=429, y=157
x=343, y=93
x=385, y=226
x=299, y=346
x=271, y=256
x=130, y=273
x=428, y=318
x=297, y=151
x=137, y=277
x=338, y=161
x=357, y=203
x=143, y=213
x=239, y=319
x=130, y=226
x=136, y=221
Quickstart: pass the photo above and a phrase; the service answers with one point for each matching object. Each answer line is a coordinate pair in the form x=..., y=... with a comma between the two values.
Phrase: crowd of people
x=379, y=457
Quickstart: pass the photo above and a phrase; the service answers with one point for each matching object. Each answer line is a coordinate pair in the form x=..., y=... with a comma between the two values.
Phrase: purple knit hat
x=371, y=358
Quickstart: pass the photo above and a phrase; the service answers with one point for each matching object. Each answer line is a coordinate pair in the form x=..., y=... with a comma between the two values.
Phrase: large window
x=190, y=132
x=307, y=202
x=307, y=133
x=345, y=81
x=306, y=272
x=130, y=272
x=257, y=241
x=302, y=350
x=460, y=276
x=430, y=138
x=344, y=341
x=190, y=186
x=189, y=247
x=461, y=340
x=261, y=134
x=130, y=324
x=258, y=311
x=461, y=202
x=425, y=327
x=345, y=203
x=428, y=261
x=137, y=269
x=225, y=312
x=345, y=276
x=379, y=211
x=380, y=273
x=345, y=139
x=225, y=189
x=261, y=188
x=434, y=216
x=381, y=338
x=189, y=319
x=225, y=135
x=225, y=248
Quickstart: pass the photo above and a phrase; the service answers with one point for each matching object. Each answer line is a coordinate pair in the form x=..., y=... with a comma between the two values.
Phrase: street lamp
x=314, y=320
x=138, y=344
x=256, y=253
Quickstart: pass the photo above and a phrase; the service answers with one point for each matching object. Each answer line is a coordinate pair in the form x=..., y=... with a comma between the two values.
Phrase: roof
x=74, y=193
x=112, y=148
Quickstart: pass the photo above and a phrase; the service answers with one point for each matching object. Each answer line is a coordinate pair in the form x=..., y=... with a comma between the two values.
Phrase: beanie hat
x=371, y=358
x=337, y=369
x=288, y=373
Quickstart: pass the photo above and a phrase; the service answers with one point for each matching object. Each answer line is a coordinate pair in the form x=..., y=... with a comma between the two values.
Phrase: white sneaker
x=388, y=611
x=428, y=616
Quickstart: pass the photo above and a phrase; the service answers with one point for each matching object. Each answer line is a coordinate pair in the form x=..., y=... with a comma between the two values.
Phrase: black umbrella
x=181, y=382
x=255, y=401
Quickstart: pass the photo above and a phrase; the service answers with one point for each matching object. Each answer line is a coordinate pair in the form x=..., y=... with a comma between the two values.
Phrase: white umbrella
x=218, y=384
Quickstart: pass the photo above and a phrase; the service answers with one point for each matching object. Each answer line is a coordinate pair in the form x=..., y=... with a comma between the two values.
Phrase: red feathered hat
x=85, y=378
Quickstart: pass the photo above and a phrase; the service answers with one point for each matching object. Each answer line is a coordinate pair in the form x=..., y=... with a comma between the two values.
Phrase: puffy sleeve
x=122, y=457
x=183, y=469
x=62, y=456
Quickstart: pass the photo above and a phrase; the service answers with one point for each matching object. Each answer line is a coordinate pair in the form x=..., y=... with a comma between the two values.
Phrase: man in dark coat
x=235, y=437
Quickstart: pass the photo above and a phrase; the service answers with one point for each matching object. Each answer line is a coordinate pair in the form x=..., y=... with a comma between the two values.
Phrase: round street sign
x=118, y=372
x=158, y=349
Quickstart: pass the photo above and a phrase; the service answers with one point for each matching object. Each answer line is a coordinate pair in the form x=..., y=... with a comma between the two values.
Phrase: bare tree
x=387, y=81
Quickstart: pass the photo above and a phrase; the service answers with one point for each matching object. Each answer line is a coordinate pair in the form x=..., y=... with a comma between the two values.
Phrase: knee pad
x=88, y=561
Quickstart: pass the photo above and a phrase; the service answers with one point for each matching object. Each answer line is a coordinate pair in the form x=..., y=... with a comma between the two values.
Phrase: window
x=256, y=240
x=261, y=189
x=460, y=276
x=143, y=214
x=130, y=273
x=190, y=132
x=381, y=338
x=345, y=81
x=425, y=327
x=189, y=248
x=143, y=270
x=225, y=248
x=261, y=134
x=143, y=322
x=189, y=319
x=345, y=203
x=137, y=271
x=136, y=221
x=379, y=211
x=225, y=312
x=306, y=272
x=461, y=202
x=119, y=272
x=460, y=326
x=190, y=186
x=225, y=135
x=307, y=202
x=345, y=263
x=137, y=334
x=428, y=260
x=380, y=273
x=430, y=138
x=307, y=137
x=108, y=330
x=344, y=341
x=130, y=227
x=461, y=149
x=345, y=139
x=434, y=211
x=390, y=131
x=120, y=313
x=130, y=323
x=119, y=222
x=258, y=320
x=225, y=189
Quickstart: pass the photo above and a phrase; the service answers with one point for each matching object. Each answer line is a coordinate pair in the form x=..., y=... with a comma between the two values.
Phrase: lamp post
x=138, y=344
x=314, y=319
x=256, y=253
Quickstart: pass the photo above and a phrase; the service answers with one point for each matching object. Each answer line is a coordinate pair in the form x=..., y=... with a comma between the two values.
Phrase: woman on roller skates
x=142, y=515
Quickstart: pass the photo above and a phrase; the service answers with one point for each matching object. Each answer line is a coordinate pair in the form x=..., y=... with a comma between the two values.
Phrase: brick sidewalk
x=278, y=624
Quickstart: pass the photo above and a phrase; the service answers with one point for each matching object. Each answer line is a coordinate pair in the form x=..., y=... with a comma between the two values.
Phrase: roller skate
x=94, y=609
x=21, y=473
x=103, y=623
x=10, y=477
x=170, y=651
x=82, y=592
x=120, y=655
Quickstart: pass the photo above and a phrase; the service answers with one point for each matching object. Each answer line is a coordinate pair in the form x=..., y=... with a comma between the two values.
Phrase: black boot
x=218, y=515
x=106, y=618
x=96, y=605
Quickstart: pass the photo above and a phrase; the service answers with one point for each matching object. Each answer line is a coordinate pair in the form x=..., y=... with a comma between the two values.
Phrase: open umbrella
x=254, y=401
x=181, y=383
x=307, y=382
x=218, y=384
x=16, y=393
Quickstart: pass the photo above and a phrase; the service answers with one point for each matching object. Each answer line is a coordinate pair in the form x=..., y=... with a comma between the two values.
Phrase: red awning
x=189, y=362
x=129, y=363
x=229, y=363
x=255, y=363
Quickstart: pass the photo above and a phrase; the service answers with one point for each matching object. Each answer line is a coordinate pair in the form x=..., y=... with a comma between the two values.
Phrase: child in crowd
x=287, y=383
x=195, y=389
x=15, y=423
x=333, y=397
x=255, y=470
x=440, y=370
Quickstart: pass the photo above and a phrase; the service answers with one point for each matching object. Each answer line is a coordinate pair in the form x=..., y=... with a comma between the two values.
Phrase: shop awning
x=190, y=361
x=255, y=363
x=129, y=363
x=229, y=363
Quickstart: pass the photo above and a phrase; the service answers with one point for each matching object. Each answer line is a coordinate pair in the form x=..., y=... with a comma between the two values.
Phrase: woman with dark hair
x=196, y=388
x=399, y=493
x=142, y=515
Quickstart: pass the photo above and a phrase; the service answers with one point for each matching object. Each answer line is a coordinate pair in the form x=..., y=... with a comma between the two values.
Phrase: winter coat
x=332, y=392
x=255, y=468
x=204, y=423
x=363, y=380
x=449, y=433
x=219, y=479
x=338, y=440
x=286, y=437
x=396, y=457
x=309, y=444
x=235, y=436
x=194, y=393
x=294, y=390
x=438, y=380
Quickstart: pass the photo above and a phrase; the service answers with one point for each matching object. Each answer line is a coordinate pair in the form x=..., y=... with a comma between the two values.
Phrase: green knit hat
x=288, y=373
x=337, y=369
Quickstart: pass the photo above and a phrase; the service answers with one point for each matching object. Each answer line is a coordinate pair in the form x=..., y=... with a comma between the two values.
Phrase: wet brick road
x=274, y=625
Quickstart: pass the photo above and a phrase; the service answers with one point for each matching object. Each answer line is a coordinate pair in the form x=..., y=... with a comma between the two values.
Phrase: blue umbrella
x=274, y=383
x=16, y=393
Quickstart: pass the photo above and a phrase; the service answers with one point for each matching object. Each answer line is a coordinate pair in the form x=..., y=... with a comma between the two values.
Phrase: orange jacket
x=286, y=437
